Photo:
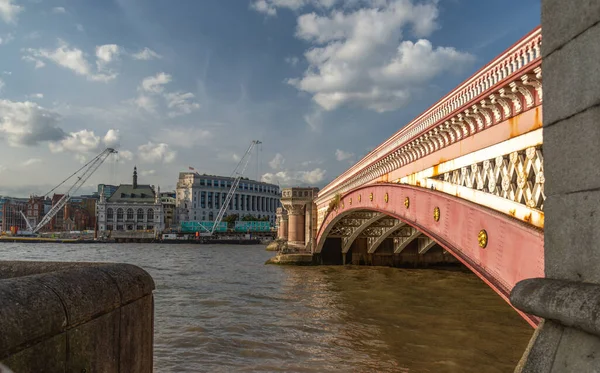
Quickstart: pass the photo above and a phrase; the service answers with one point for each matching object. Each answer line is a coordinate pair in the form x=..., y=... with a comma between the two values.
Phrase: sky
x=190, y=83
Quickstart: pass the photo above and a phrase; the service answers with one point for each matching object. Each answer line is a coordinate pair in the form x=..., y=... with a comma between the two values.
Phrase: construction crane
x=88, y=170
x=238, y=173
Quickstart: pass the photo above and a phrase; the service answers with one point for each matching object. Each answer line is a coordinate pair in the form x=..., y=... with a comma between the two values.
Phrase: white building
x=132, y=207
x=199, y=197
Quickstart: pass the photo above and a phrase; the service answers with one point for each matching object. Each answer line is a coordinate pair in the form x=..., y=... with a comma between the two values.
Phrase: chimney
x=135, y=177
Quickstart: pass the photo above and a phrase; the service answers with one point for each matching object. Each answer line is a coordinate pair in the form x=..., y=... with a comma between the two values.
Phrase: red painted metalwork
x=514, y=251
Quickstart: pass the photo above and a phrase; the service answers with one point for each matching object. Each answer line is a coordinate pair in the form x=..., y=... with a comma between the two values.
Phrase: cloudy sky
x=173, y=84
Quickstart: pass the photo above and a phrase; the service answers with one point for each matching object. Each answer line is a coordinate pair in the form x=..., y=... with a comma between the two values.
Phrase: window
x=140, y=215
x=150, y=215
x=119, y=216
x=109, y=216
x=130, y=214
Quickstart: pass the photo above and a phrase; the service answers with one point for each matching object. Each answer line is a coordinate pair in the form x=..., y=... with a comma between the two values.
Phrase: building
x=132, y=207
x=168, y=201
x=35, y=210
x=199, y=197
x=109, y=190
x=10, y=213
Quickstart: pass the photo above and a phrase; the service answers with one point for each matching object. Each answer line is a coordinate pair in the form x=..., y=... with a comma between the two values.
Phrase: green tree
x=230, y=220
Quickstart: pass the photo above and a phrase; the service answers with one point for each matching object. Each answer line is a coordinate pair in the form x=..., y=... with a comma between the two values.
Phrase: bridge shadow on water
x=420, y=320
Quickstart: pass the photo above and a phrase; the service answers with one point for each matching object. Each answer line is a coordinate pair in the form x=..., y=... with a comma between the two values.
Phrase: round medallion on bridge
x=482, y=238
x=371, y=196
x=406, y=202
x=342, y=204
x=359, y=197
x=350, y=202
x=436, y=214
x=386, y=198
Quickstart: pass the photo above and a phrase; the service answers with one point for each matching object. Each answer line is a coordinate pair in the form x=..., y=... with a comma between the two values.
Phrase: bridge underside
x=366, y=237
x=402, y=225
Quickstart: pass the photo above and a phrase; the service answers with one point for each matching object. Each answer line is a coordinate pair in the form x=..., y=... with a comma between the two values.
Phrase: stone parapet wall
x=76, y=317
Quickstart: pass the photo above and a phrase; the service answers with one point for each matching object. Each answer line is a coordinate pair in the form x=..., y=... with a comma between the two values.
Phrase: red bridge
x=463, y=181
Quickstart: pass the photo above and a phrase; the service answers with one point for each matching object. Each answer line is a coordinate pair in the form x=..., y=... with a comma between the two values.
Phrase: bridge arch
x=512, y=251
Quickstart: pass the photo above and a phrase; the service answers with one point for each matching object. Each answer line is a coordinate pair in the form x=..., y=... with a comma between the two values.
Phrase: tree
x=230, y=220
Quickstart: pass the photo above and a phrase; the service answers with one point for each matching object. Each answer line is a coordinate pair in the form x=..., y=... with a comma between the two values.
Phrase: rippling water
x=220, y=309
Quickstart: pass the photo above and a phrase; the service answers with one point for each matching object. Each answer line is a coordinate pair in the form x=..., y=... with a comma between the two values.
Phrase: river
x=218, y=308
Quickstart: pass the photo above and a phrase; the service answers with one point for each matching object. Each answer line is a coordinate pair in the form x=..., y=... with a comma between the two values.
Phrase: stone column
x=282, y=224
x=569, y=297
x=296, y=225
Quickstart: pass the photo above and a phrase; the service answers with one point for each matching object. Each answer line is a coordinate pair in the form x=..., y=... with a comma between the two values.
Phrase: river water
x=218, y=308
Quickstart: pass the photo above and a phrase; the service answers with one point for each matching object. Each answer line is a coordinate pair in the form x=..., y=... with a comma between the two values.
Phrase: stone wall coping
x=570, y=303
x=39, y=300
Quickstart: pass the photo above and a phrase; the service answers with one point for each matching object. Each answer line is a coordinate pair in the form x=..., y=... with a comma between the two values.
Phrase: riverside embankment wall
x=76, y=317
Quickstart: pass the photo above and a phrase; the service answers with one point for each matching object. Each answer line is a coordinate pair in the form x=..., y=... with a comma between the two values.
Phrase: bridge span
x=464, y=181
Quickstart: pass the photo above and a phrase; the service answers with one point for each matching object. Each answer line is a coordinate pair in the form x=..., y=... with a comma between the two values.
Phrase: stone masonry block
x=48, y=356
x=572, y=237
x=29, y=311
x=137, y=336
x=539, y=355
x=563, y=20
x=572, y=77
x=94, y=346
x=132, y=281
x=572, y=154
x=577, y=352
x=85, y=292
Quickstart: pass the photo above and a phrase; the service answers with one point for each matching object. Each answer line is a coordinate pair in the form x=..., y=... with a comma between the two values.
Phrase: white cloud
x=155, y=153
x=146, y=54
x=31, y=162
x=38, y=63
x=112, y=138
x=277, y=161
x=71, y=58
x=36, y=95
x=9, y=11
x=314, y=120
x=33, y=35
x=126, y=155
x=1, y=85
x=146, y=103
x=292, y=60
x=358, y=57
x=181, y=103
x=341, y=155
x=184, y=137
x=27, y=123
x=7, y=72
x=105, y=54
x=79, y=27
x=292, y=178
x=85, y=141
x=269, y=7
x=154, y=84
x=59, y=10
x=148, y=172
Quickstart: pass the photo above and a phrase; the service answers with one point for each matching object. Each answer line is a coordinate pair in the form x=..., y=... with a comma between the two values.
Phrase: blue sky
x=192, y=82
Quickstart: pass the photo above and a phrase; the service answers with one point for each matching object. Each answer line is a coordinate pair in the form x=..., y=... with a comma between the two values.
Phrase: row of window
x=243, y=203
x=121, y=227
x=242, y=186
x=130, y=213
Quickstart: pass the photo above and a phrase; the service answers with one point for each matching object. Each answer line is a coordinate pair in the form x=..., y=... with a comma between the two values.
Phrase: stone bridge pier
x=297, y=220
x=568, y=298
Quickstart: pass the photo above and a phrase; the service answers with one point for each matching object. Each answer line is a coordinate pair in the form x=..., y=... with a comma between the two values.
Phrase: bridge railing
x=521, y=56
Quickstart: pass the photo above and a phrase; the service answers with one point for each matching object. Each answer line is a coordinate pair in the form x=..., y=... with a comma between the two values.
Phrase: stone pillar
x=282, y=224
x=296, y=225
x=569, y=297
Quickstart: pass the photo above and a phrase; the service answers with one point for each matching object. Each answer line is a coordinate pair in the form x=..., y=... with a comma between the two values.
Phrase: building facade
x=168, y=201
x=10, y=213
x=132, y=207
x=199, y=198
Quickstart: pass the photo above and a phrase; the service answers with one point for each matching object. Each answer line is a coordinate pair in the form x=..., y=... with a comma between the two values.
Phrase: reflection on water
x=220, y=309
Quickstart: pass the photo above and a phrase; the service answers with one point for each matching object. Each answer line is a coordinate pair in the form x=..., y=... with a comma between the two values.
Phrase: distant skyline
x=319, y=82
